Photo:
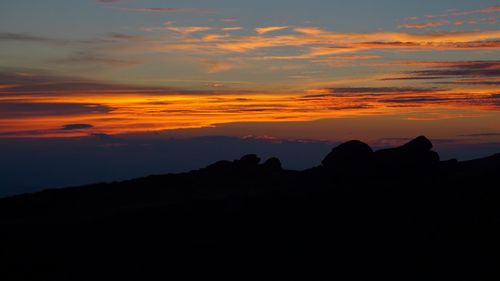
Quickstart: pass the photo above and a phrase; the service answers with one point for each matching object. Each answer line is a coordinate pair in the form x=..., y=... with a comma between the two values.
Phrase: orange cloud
x=305, y=43
x=267, y=29
x=323, y=42
x=186, y=30
x=120, y=108
x=309, y=30
x=424, y=24
x=217, y=66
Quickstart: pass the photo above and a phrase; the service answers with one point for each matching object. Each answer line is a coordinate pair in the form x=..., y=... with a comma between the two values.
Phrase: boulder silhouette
x=272, y=164
x=250, y=160
x=349, y=155
x=415, y=154
x=418, y=144
x=245, y=163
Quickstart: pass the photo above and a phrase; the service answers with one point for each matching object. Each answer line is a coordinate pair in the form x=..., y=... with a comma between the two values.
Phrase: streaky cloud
x=424, y=24
x=70, y=127
x=20, y=109
x=25, y=37
x=268, y=29
x=170, y=10
x=464, y=72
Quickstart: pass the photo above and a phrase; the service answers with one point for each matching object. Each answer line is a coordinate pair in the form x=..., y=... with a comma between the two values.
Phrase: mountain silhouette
x=392, y=214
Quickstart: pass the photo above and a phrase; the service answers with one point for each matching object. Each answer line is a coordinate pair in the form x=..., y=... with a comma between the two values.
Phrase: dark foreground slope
x=398, y=214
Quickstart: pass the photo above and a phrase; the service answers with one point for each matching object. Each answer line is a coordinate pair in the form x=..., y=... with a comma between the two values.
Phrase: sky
x=73, y=68
x=315, y=70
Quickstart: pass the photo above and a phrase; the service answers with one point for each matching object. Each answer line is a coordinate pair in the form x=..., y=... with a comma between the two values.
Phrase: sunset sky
x=323, y=70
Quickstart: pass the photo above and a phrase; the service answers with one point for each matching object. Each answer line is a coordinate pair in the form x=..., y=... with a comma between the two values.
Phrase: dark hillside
x=399, y=214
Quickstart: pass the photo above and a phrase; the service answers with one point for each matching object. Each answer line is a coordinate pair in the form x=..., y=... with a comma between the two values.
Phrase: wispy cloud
x=24, y=37
x=183, y=30
x=169, y=10
x=487, y=10
x=186, y=30
x=71, y=127
x=354, y=91
x=89, y=57
x=301, y=43
x=495, y=134
x=62, y=42
x=68, y=130
x=27, y=109
x=267, y=29
x=389, y=97
x=423, y=25
x=217, y=66
x=35, y=83
x=462, y=13
x=322, y=43
x=486, y=20
x=41, y=104
x=462, y=72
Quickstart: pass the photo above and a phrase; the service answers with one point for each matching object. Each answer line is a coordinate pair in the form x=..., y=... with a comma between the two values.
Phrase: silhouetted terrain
x=399, y=214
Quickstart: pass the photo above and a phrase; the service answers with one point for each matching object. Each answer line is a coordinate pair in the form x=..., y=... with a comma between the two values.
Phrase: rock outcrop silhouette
x=246, y=164
x=272, y=165
x=414, y=154
x=393, y=214
x=349, y=155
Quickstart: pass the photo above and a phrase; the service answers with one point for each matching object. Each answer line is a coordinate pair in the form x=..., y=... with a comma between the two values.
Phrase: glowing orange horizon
x=137, y=112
